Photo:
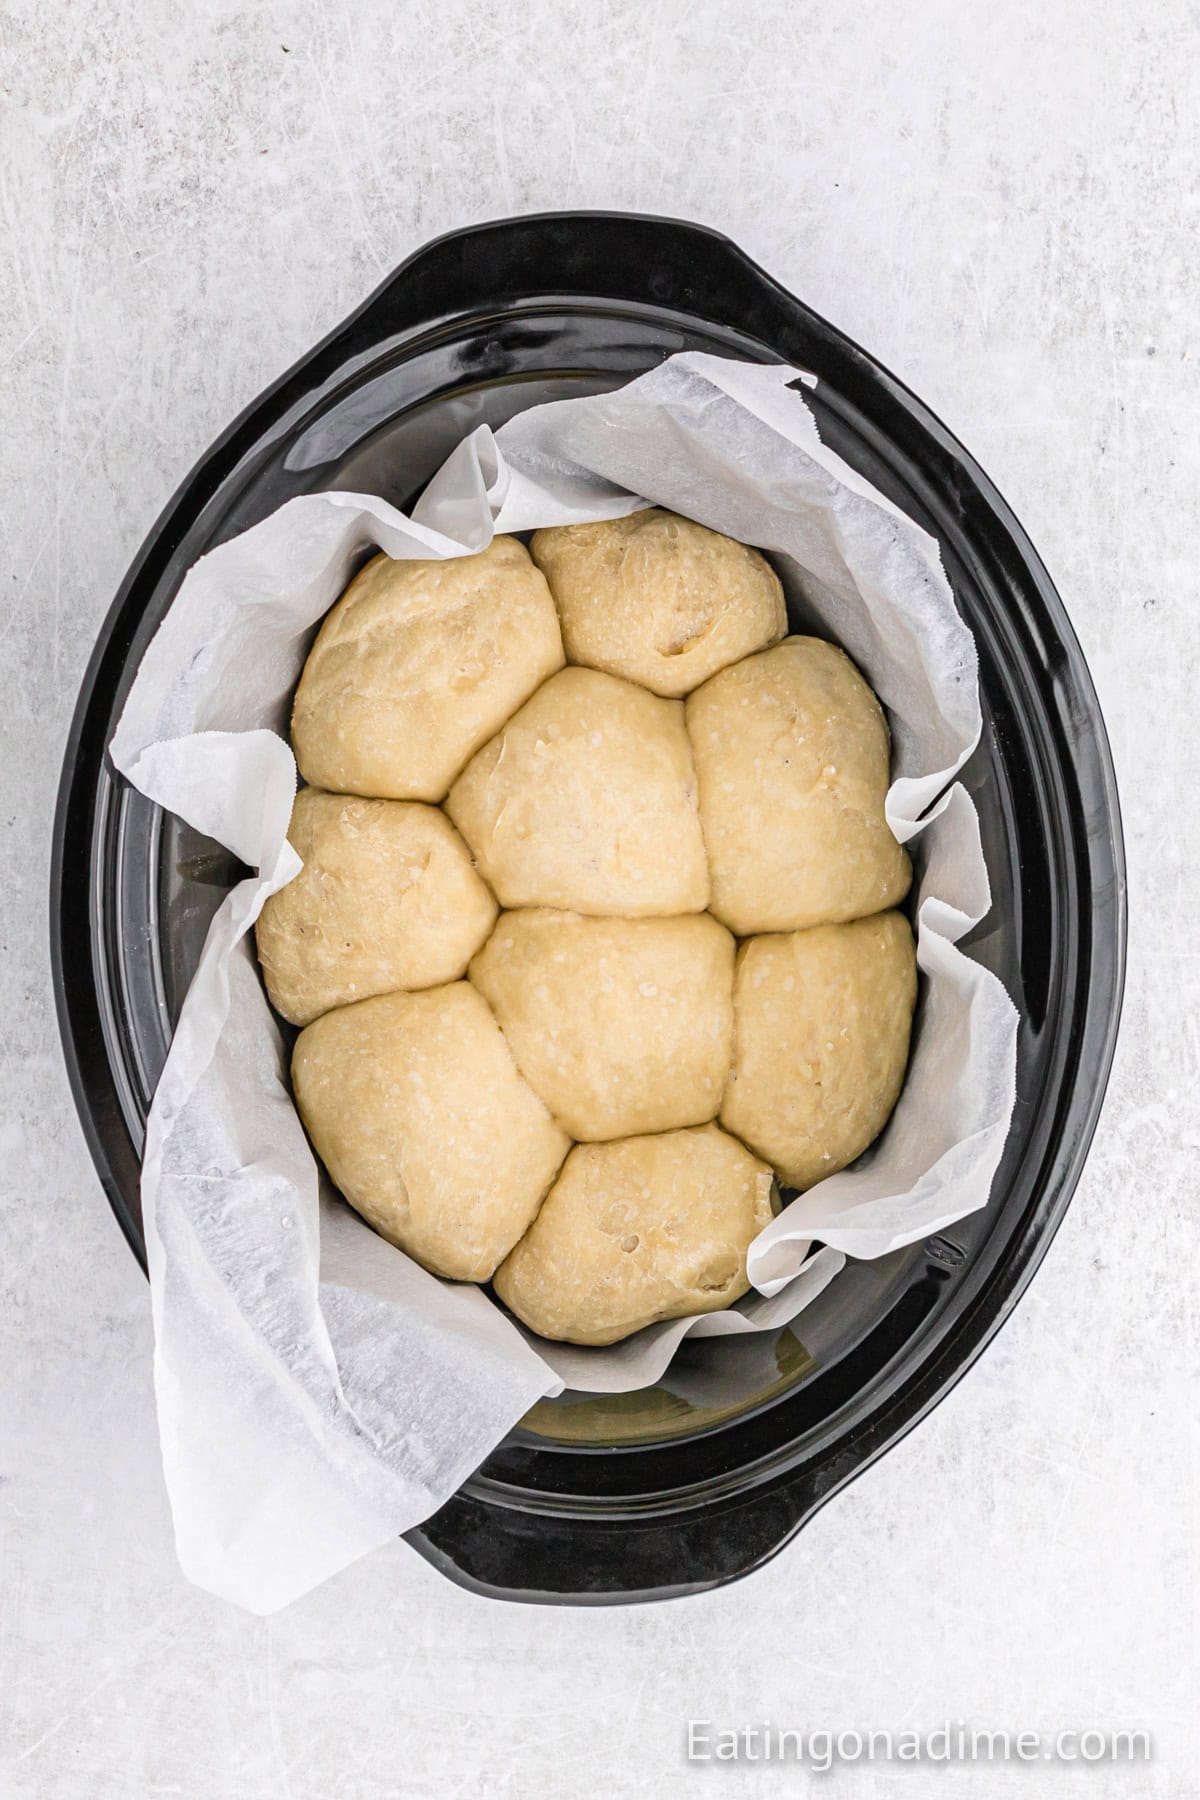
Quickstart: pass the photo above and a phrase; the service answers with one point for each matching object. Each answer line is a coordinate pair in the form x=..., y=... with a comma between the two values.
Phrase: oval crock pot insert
x=375, y=409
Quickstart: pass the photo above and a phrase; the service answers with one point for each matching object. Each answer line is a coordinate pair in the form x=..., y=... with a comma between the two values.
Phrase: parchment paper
x=318, y=1393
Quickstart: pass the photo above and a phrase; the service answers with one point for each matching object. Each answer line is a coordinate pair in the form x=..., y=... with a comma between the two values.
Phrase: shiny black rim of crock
x=506, y=1541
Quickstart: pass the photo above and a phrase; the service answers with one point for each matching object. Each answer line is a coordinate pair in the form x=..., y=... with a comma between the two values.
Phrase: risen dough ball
x=417, y=665
x=587, y=801
x=415, y=1106
x=387, y=898
x=620, y=1025
x=791, y=751
x=658, y=598
x=643, y=1229
x=821, y=1028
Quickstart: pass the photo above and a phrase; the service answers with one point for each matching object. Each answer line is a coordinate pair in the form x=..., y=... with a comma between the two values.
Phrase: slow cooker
x=697, y=1480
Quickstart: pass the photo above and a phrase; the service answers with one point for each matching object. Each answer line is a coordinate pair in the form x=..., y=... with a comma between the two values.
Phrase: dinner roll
x=791, y=750
x=414, y=1104
x=387, y=898
x=620, y=1025
x=417, y=665
x=586, y=801
x=820, y=1041
x=642, y=1229
x=658, y=598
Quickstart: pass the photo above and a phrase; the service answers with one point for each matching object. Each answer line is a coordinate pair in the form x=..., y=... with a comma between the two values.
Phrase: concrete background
x=1001, y=202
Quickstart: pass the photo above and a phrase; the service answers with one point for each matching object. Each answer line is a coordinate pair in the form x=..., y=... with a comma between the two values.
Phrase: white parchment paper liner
x=318, y=1393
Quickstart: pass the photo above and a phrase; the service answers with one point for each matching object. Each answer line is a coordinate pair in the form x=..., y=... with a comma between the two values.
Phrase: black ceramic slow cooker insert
x=696, y=1480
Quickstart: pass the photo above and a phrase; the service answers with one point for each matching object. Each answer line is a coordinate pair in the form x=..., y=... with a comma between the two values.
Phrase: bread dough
x=620, y=1025
x=792, y=753
x=387, y=898
x=658, y=598
x=595, y=801
x=587, y=801
x=415, y=1106
x=417, y=665
x=643, y=1229
x=821, y=1029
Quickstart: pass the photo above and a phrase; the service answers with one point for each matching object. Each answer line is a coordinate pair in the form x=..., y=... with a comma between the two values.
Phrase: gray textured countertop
x=1002, y=203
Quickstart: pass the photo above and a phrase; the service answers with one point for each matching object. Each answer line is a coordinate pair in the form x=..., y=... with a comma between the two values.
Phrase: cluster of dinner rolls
x=594, y=946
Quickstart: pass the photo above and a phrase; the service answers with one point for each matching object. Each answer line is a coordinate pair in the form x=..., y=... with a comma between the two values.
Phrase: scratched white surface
x=1003, y=203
